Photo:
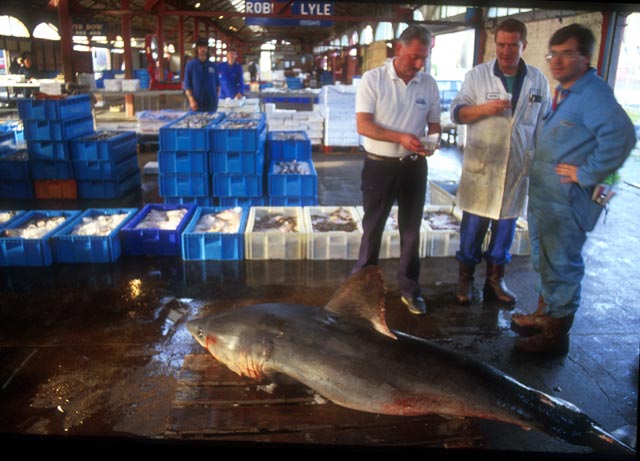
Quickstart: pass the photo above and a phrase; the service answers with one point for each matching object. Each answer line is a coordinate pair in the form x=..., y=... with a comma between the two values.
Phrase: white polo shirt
x=397, y=106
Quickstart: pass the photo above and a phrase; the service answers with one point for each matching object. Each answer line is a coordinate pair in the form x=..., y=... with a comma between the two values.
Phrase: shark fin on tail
x=363, y=296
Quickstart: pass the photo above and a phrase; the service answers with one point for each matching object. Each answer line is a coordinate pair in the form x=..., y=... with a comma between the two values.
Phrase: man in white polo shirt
x=395, y=103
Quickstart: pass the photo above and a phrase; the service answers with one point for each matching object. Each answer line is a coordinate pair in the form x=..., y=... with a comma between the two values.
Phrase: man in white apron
x=502, y=102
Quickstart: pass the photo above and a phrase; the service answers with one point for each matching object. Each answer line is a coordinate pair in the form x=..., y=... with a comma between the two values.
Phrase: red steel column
x=128, y=60
x=66, y=40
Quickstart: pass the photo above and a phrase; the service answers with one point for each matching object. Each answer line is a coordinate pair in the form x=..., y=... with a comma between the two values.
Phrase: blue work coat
x=588, y=129
x=231, y=80
x=202, y=79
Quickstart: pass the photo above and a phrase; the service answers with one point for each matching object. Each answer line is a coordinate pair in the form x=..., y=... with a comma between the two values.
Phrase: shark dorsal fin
x=363, y=296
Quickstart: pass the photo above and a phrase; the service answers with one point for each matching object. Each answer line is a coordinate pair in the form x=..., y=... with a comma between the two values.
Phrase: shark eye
x=200, y=333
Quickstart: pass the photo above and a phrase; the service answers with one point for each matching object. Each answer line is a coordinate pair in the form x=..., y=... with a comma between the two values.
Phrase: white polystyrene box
x=337, y=244
x=274, y=244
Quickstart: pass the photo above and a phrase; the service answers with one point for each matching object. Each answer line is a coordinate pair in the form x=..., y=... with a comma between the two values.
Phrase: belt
x=383, y=158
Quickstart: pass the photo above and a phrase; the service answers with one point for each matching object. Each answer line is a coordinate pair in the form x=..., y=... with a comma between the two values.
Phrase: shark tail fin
x=363, y=296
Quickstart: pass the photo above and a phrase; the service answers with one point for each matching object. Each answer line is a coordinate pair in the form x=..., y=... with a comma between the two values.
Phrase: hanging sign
x=89, y=29
x=281, y=10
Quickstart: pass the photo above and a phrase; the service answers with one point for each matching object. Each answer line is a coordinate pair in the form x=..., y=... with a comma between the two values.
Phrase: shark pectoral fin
x=362, y=296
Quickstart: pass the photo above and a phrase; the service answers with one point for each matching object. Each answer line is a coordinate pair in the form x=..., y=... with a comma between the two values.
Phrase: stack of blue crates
x=143, y=76
x=288, y=185
x=105, y=164
x=49, y=125
x=15, y=179
x=237, y=159
x=183, y=159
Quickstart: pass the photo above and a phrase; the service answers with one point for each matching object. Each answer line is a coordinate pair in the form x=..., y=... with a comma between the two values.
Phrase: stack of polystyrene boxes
x=292, y=179
x=106, y=164
x=183, y=159
x=312, y=122
x=339, y=107
x=49, y=125
x=237, y=159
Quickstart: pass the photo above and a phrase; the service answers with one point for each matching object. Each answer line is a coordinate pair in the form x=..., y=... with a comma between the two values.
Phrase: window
x=366, y=37
x=384, y=31
x=502, y=12
x=47, y=31
x=11, y=26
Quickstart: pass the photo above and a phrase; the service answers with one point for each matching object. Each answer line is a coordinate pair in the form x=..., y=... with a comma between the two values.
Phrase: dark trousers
x=383, y=183
x=473, y=230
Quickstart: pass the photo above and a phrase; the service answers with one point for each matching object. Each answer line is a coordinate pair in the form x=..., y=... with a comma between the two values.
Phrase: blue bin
x=213, y=245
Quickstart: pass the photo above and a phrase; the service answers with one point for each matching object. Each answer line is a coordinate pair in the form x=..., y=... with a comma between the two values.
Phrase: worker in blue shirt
x=231, y=78
x=201, y=84
x=585, y=138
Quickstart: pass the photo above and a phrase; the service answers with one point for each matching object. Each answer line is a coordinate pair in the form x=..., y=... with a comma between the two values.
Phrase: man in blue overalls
x=201, y=84
x=231, y=78
x=585, y=138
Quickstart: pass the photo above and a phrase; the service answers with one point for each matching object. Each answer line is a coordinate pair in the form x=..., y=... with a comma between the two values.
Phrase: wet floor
x=97, y=350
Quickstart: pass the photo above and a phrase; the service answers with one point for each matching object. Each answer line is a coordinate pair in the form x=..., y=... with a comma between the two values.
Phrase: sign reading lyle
x=281, y=10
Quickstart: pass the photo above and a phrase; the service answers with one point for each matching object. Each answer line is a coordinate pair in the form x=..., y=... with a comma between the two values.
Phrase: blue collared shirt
x=231, y=79
x=202, y=79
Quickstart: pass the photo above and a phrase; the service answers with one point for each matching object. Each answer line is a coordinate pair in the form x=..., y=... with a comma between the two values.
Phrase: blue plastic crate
x=154, y=241
x=293, y=201
x=18, y=189
x=104, y=145
x=190, y=132
x=14, y=127
x=49, y=150
x=107, y=170
x=213, y=245
x=171, y=161
x=248, y=202
x=184, y=185
x=7, y=142
x=18, y=251
x=7, y=216
x=39, y=130
x=104, y=189
x=288, y=145
x=51, y=169
x=55, y=109
x=238, y=136
x=199, y=201
x=292, y=185
x=232, y=185
x=69, y=248
x=237, y=162
x=14, y=165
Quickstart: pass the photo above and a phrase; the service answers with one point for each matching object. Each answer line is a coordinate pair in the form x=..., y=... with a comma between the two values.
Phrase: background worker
x=201, y=84
x=231, y=78
x=502, y=102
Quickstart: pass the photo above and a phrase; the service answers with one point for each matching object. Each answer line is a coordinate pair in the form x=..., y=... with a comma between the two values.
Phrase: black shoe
x=416, y=305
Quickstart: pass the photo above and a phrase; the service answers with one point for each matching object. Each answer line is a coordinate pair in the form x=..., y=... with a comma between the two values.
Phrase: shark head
x=234, y=338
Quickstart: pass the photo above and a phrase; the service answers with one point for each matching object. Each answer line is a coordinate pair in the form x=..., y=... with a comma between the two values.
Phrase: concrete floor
x=90, y=354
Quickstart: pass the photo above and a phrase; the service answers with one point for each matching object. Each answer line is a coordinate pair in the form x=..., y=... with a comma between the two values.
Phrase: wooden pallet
x=213, y=403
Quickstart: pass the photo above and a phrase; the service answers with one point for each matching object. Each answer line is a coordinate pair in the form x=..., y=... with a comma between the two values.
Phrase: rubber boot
x=553, y=338
x=495, y=288
x=465, y=283
x=525, y=324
